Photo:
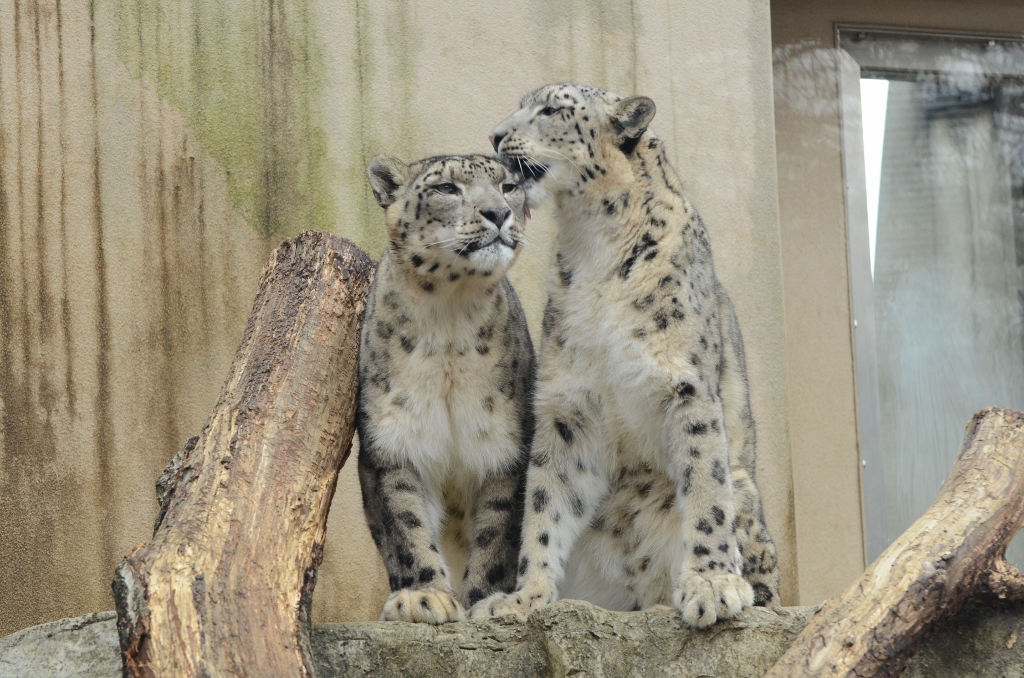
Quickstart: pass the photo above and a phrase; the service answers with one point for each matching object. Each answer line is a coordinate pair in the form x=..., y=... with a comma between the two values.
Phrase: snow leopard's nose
x=497, y=215
x=496, y=140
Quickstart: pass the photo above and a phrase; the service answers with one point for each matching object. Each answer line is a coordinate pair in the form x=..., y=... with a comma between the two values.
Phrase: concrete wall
x=153, y=153
x=822, y=410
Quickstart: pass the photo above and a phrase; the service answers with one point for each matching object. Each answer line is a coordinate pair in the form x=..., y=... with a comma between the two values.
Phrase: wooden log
x=952, y=555
x=224, y=588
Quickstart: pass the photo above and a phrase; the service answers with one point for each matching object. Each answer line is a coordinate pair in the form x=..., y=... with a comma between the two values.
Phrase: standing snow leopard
x=446, y=374
x=640, y=489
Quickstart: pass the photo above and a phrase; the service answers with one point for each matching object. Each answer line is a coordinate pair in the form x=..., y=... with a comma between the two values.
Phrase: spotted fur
x=640, y=489
x=446, y=372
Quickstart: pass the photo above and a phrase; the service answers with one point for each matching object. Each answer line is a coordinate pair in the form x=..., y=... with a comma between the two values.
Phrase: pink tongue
x=527, y=209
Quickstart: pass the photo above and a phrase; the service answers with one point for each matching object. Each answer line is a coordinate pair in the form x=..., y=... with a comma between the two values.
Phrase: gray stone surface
x=564, y=639
x=83, y=647
x=567, y=638
x=982, y=642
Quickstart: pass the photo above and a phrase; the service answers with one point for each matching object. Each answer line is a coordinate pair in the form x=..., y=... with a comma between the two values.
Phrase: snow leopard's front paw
x=705, y=597
x=520, y=603
x=430, y=606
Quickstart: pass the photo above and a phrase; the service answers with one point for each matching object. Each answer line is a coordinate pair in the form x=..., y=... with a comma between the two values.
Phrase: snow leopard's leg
x=566, y=480
x=760, y=564
x=710, y=585
x=394, y=499
x=497, y=517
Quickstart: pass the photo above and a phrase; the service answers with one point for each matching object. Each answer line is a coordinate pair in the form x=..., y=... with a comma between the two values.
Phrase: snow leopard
x=446, y=374
x=640, y=489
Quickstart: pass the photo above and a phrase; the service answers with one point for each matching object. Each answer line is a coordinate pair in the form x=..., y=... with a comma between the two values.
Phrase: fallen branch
x=952, y=555
x=224, y=588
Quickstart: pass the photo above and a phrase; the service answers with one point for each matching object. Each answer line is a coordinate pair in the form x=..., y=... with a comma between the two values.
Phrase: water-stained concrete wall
x=153, y=153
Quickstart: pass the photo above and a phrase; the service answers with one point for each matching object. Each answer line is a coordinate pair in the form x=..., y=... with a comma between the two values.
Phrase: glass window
x=934, y=152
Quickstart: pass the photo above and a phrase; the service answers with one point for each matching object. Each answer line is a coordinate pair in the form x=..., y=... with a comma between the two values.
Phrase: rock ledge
x=567, y=638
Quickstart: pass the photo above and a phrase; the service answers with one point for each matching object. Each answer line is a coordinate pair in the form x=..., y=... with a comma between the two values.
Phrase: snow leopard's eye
x=549, y=110
x=508, y=188
x=447, y=188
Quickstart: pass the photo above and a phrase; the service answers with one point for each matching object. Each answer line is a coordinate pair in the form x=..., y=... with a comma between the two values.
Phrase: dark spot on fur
x=543, y=538
x=564, y=431
x=453, y=277
x=669, y=502
x=687, y=480
x=417, y=260
x=427, y=286
x=426, y=574
x=701, y=550
x=484, y=539
x=540, y=499
x=697, y=428
x=718, y=472
x=576, y=504
x=524, y=563
x=496, y=574
x=405, y=557
x=724, y=548
x=407, y=344
x=475, y=596
x=762, y=594
x=643, y=490
x=718, y=514
x=501, y=504
x=628, y=145
x=704, y=526
x=645, y=302
x=409, y=519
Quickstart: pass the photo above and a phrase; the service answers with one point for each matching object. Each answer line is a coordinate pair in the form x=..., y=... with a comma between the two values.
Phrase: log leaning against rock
x=952, y=555
x=224, y=588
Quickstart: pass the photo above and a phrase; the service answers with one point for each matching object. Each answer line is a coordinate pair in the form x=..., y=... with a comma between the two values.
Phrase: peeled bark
x=952, y=555
x=224, y=588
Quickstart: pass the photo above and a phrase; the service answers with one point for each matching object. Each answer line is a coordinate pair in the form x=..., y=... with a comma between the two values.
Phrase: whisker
x=551, y=150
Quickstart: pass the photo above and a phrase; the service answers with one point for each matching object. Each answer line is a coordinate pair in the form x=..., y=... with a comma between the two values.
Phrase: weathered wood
x=224, y=588
x=953, y=554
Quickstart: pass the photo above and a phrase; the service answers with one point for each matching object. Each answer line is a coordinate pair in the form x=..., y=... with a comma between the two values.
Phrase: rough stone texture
x=568, y=638
x=84, y=647
x=980, y=641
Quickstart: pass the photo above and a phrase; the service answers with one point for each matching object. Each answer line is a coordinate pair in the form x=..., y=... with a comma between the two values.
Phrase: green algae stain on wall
x=248, y=77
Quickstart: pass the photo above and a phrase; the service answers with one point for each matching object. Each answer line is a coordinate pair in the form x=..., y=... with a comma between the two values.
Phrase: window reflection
x=943, y=144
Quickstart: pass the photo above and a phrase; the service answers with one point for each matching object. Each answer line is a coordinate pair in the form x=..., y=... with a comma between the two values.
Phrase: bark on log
x=952, y=555
x=224, y=588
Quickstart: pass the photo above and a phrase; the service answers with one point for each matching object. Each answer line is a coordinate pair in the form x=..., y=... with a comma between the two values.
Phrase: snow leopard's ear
x=630, y=118
x=386, y=174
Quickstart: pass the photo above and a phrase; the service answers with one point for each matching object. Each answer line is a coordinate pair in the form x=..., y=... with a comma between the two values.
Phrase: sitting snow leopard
x=640, y=489
x=446, y=374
